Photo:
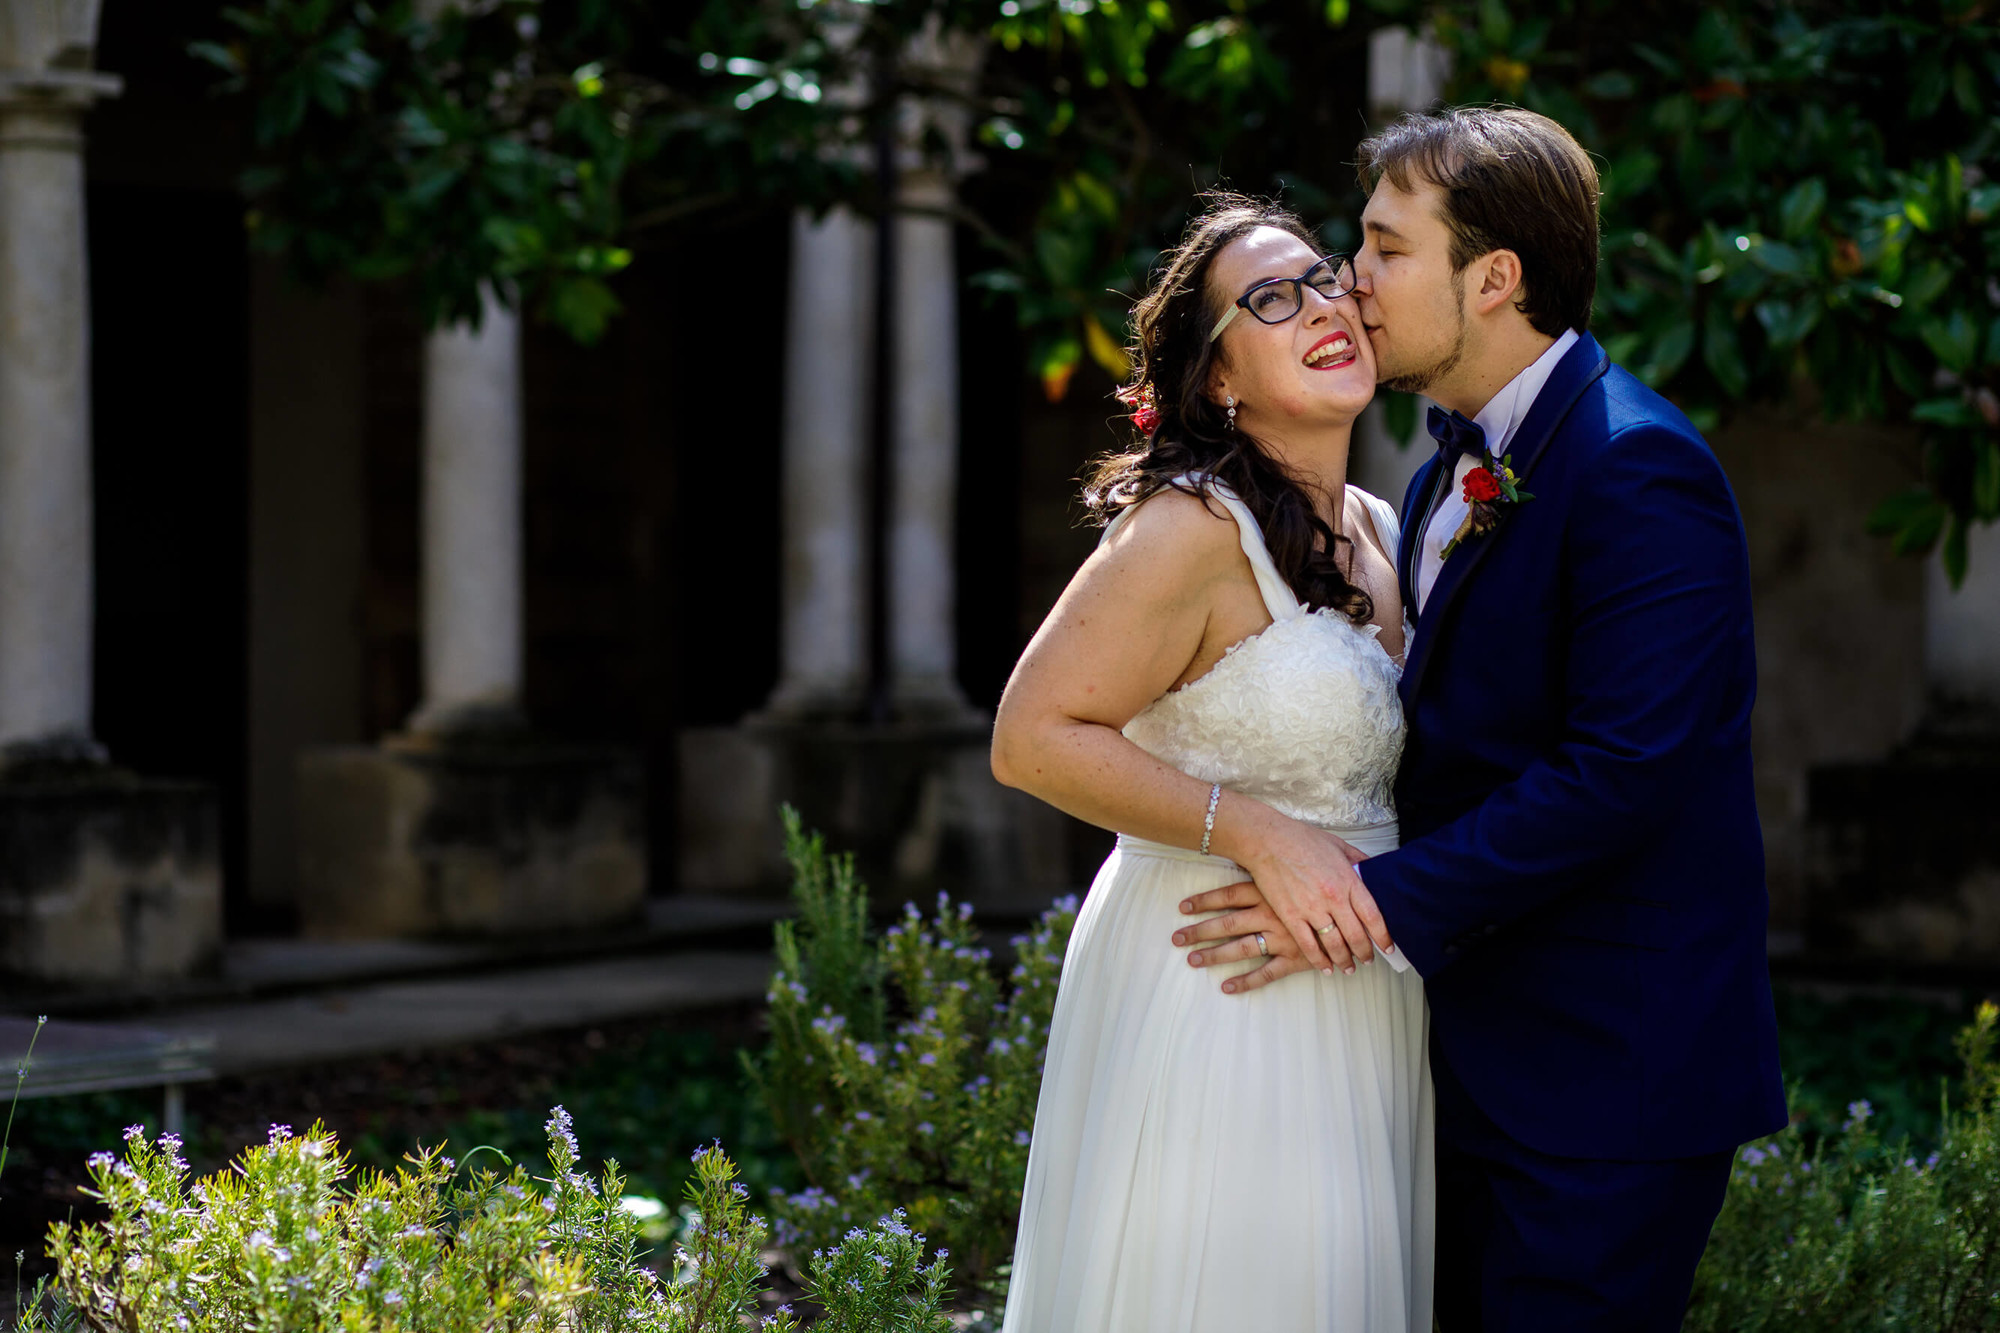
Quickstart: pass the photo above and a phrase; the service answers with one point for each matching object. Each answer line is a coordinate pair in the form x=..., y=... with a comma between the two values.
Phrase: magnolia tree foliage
x=1796, y=190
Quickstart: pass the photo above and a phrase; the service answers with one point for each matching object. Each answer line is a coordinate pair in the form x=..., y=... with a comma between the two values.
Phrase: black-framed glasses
x=1277, y=300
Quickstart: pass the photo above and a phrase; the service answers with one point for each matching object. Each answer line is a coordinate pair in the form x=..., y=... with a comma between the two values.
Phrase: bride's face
x=1313, y=369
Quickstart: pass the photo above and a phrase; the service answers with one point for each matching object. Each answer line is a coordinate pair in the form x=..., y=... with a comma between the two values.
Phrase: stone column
x=45, y=498
x=1962, y=639
x=1406, y=72
x=923, y=525
x=472, y=525
x=828, y=339
x=124, y=887
x=923, y=556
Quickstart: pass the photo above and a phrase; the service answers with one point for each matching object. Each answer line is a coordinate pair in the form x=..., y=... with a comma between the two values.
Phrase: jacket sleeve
x=1659, y=669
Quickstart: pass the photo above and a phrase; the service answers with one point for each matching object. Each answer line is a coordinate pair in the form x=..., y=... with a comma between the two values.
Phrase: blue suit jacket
x=1581, y=881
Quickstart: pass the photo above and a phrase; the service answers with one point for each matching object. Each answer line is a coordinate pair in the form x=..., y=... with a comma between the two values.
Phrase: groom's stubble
x=1424, y=377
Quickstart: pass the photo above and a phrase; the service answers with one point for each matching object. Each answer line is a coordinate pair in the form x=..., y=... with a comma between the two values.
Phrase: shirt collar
x=1503, y=416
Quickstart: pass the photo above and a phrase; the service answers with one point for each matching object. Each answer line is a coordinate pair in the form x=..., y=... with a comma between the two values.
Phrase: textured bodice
x=1303, y=716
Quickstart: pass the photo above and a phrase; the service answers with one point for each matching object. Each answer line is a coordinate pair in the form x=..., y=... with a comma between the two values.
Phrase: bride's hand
x=1304, y=883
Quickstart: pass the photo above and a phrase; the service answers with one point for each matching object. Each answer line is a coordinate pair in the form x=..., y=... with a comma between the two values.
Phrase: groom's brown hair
x=1511, y=180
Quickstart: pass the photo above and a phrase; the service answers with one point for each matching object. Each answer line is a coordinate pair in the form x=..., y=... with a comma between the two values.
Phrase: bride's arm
x=1128, y=627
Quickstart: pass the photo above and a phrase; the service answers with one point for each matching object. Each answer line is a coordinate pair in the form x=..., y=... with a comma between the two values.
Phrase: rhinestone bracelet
x=1208, y=823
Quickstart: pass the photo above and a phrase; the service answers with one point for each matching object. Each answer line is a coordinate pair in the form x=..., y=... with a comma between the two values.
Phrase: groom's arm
x=1659, y=671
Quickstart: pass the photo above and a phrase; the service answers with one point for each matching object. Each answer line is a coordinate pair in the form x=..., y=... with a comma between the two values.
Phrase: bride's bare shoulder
x=1173, y=525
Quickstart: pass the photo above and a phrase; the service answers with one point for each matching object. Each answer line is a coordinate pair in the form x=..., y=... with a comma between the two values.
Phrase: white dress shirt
x=1500, y=419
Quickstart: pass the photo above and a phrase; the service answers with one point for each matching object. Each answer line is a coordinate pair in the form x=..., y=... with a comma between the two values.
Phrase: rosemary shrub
x=279, y=1242
x=1857, y=1234
x=899, y=1069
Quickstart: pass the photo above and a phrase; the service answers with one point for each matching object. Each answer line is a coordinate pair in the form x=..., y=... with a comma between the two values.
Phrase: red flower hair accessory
x=1145, y=412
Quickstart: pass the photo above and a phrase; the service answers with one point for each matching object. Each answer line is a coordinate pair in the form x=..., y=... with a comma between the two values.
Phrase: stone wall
x=1840, y=643
x=107, y=879
x=486, y=840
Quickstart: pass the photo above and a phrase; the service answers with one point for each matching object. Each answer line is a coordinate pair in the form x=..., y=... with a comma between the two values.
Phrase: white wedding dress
x=1211, y=1163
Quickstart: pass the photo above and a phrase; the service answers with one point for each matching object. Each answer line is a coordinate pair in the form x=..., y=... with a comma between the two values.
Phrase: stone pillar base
x=1902, y=862
x=915, y=802
x=416, y=839
x=108, y=878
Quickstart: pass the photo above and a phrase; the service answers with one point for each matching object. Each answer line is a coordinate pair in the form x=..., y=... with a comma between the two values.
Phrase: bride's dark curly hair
x=1187, y=433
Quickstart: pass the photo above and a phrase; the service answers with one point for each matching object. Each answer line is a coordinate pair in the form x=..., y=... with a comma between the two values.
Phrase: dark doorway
x=169, y=316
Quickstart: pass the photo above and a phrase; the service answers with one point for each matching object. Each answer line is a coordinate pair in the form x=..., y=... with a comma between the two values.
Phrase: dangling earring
x=1230, y=403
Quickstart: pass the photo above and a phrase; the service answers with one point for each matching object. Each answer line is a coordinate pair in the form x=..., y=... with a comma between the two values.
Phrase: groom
x=1581, y=879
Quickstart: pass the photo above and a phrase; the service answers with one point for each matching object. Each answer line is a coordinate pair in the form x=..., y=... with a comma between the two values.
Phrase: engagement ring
x=1260, y=946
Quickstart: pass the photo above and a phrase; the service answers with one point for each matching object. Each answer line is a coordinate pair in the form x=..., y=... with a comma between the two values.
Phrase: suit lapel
x=1417, y=500
x=1580, y=367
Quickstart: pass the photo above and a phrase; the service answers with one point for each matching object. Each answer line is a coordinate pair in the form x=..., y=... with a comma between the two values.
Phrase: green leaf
x=1911, y=520
x=1951, y=411
x=1801, y=208
x=1399, y=413
x=1613, y=85
x=1786, y=323
x=1776, y=257
x=1670, y=353
x=1925, y=285
x=1986, y=478
x=1948, y=183
x=1904, y=371
x=1965, y=88
x=1658, y=59
x=1496, y=25
x=1954, y=340
x=1954, y=553
x=1722, y=353
x=1337, y=12
x=1919, y=216
x=1927, y=85
x=215, y=53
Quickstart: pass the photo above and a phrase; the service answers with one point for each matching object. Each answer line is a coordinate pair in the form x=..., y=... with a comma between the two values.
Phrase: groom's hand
x=1249, y=914
x=1238, y=930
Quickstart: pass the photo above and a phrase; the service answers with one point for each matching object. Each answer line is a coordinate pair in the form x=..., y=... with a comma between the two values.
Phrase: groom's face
x=1412, y=301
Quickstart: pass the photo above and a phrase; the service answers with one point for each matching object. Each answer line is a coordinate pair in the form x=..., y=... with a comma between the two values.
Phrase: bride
x=1218, y=684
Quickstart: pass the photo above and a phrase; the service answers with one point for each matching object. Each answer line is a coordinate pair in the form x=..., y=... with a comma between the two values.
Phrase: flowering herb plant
x=1491, y=490
x=278, y=1242
x=899, y=1069
x=1857, y=1233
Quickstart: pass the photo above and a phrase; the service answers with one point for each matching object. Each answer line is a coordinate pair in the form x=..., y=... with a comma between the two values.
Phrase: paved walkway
x=344, y=1022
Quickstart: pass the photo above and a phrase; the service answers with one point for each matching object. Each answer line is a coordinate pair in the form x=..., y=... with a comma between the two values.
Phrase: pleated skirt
x=1211, y=1163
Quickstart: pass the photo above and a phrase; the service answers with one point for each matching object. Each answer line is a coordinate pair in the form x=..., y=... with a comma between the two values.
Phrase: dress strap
x=1279, y=600
x=1388, y=523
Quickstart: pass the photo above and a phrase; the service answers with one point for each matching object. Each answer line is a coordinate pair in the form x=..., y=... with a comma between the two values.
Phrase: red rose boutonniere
x=1491, y=490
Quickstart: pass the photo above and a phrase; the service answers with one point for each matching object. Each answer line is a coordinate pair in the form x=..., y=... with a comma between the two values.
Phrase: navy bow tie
x=1456, y=434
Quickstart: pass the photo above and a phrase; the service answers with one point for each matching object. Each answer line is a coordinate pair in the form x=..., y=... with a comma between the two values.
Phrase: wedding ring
x=1260, y=945
x=1326, y=929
